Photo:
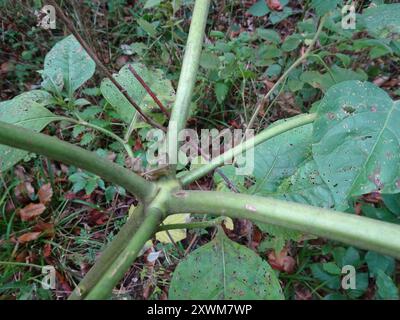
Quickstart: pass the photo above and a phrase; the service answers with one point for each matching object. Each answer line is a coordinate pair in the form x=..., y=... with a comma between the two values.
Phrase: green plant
x=346, y=148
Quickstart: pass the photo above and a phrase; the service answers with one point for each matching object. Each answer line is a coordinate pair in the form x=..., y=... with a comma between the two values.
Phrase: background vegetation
x=51, y=214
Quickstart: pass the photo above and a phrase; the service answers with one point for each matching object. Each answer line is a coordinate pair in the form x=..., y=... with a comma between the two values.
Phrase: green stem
x=126, y=257
x=351, y=229
x=20, y=138
x=192, y=225
x=286, y=73
x=248, y=144
x=85, y=124
x=112, y=135
x=187, y=79
x=109, y=255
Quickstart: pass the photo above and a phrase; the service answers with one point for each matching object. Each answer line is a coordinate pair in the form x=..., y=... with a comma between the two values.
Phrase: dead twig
x=71, y=28
x=149, y=91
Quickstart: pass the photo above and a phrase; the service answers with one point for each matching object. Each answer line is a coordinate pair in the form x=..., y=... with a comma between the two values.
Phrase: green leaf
x=269, y=35
x=362, y=282
x=328, y=79
x=324, y=6
x=278, y=16
x=209, y=61
x=306, y=186
x=291, y=42
x=351, y=257
x=149, y=28
x=223, y=269
x=26, y=110
x=386, y=287
x=331, y=268
x=151, y=4
x=235, y=181
x=87, y=138
x=278, y=158
x=91, y=185
x=278, y=236
x=155, y=79
x=221, y=91
x=331, y=281
x=68, y=66
x=382, y=21
x=392, y=202
x=259, y=9
x=273, y=71
x=357, y=140
x=376, y=262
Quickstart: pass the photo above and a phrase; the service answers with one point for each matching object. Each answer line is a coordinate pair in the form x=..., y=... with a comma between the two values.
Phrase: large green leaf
x=68, y=66
x=357, y=140
x=155, y=79
x=383, y=21
x=278, y=158
x=335, y=75
x=306, y=186
x=223, y=269
x=26, y=110
x=283, y=170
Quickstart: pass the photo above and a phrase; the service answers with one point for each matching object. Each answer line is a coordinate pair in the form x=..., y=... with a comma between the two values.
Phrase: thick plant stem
x=187, y=79
x=351, y=229
x=109, y=255
x=127, y=256
x=192, y=225
x=264, y=135
x=20, y=138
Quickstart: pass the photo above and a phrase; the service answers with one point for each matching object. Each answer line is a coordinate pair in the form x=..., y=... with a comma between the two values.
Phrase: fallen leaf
x=228, y=222
x=176, y=235
x=274, y=5
x=31, y=211
x=24, y=191
x=46, y=228
x=47, y=250
x=45, y=193
x=30, y=236
x=282, y=261
x=7, y=67
x=96, y=217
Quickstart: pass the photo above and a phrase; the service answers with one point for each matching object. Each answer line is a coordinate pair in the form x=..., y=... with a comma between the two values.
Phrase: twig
x=107, y=73
x=265, y=98
x=149, y=91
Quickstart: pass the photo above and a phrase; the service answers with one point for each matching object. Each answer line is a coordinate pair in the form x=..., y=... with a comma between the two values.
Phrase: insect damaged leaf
x=223, y=269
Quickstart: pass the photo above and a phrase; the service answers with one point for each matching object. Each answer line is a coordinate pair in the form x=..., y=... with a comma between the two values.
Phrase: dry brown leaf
x=31, y=211
x=46, y=228
x=45, y=193
x=282, y=261
x=47, y=250
x=24, y=191
x=30, y=236
x=274, y=5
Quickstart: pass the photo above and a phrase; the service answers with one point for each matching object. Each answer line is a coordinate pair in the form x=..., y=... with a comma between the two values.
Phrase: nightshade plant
x=316, y=164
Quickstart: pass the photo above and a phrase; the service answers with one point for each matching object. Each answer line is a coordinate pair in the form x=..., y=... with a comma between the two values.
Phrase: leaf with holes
x=357, y=141
x=68, y=66
x=278, y=158
x=223, y=269
x=26, y=110
x=155, y=79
